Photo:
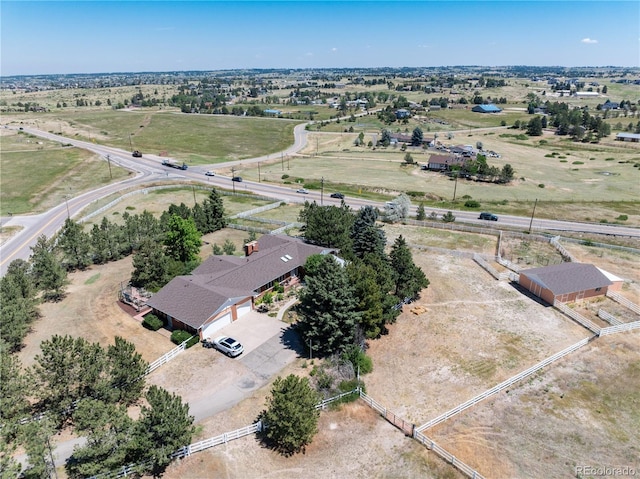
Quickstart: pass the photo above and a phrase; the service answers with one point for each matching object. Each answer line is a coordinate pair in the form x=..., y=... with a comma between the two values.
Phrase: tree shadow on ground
x=290, y=337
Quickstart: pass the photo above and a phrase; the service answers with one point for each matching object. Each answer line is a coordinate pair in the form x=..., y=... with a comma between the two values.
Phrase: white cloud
x=334, y=49
x=589, y=40
x=308, y=54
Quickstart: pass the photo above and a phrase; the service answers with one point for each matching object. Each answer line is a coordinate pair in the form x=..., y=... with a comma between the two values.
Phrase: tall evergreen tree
x=164, y=427
x=328, y=309
x=126, y=370
x=366, y=237
x=291, y=418
x=110, y=438
x=327, y=225
x=150, y=266
x=409, y=279
x=18, y=308
x=214, y=212
x=417, y=136
x=369, y=298
x=49, y=276
x=75, y=245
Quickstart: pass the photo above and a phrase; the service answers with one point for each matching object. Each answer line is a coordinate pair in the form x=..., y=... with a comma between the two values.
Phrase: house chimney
x=250, y=248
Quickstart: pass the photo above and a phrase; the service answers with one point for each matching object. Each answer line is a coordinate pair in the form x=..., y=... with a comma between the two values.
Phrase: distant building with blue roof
x=490, y=108
x=272, y=112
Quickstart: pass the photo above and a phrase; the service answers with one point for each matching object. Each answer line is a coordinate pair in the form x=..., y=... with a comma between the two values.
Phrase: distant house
x=610, y=105
x=402, y=113
x=586, y=94
x=490, y=108
x=634, y=137
x=271, y=112
x=443, y=162
x=567, y=282
x=224, y=288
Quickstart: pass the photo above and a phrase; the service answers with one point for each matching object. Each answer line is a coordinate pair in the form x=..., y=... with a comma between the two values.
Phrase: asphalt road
x=149, y=169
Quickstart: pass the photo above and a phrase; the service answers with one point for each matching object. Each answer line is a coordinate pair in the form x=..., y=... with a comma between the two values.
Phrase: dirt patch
x=583, y=410
x=475, y=333
x=91, y=310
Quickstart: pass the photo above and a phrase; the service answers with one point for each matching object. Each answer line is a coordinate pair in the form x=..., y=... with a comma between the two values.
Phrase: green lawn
x=197, y=139
x=34, y=181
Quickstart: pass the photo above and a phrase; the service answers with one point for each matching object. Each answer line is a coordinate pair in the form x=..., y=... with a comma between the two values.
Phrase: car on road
x=302, y=190
x=137, y=154
x=340, y=196
x=237, y=179
x=488, y=216
x=228, y=346
x=210, y=173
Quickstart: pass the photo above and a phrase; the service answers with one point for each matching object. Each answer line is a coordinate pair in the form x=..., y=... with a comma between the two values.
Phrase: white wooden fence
x=503, y=385
x=447, y=456
x=618, y=298
x=619, y=328
x=211, y=442
x=410, y=430
x=487, y=267
x=165, y=358
x=577, y=317
x=609, y=318
x=560, y=249
x=255, y=211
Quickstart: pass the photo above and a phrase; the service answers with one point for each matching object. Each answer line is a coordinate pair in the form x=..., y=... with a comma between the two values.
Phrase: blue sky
x=131, y=36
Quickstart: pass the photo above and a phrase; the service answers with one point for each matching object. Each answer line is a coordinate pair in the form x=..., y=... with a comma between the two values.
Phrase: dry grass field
x=473, y=333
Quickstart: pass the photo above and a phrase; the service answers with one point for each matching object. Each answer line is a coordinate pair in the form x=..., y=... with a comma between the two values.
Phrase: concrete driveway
x=269, y=345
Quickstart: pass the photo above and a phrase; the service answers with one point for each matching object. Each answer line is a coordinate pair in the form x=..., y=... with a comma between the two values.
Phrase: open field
x=195, y=139
x=38, y=174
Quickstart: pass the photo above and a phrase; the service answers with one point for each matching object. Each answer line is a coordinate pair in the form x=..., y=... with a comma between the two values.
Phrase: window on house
x=598, y=289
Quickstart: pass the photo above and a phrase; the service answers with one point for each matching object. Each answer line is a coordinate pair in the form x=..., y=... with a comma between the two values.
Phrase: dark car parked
x=340, y=196
x=237, y=178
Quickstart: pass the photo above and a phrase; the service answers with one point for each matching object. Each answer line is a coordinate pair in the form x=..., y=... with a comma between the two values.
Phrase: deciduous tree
x=182, y=239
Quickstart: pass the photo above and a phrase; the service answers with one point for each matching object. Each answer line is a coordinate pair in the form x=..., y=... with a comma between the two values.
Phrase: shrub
x=359, y=359
x=541, y=185
x=285, y=176
x=179, y=336
x=472, y=204
x=152, y=322
x=622, y=218
x=578, y=163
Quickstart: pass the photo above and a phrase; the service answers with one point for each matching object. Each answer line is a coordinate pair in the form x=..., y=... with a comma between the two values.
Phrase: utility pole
x=455, y=186
x=258, y=172
x=66, y=201
x=109, y=162
x=322, y=191
x=193, y=188
x=532, y=213
x=233, y=182
x=130, y=144
x=282, y=161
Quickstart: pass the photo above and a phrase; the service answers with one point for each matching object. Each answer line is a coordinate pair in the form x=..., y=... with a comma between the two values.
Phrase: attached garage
x=209, y=329
x=243, y=308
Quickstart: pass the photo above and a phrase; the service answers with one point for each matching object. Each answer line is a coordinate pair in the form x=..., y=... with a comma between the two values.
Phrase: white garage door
x=243, y=308
x=210, y=330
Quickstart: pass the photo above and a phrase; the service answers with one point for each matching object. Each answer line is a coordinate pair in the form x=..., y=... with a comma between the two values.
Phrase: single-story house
x=224, y=288
x=586, y=94
x=402, y=113
x=634, y=137
x=272, y=112
x=490, y=108
x=567, y=282
x=444, y=162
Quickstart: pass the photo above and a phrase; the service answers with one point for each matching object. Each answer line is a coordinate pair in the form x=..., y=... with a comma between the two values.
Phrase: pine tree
x=75, y=245
x=291, y=419
x=409, y=279
x=214, y=212
x=49, y=276
x=328, y=308
x=366, y=237
x=164, y=427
